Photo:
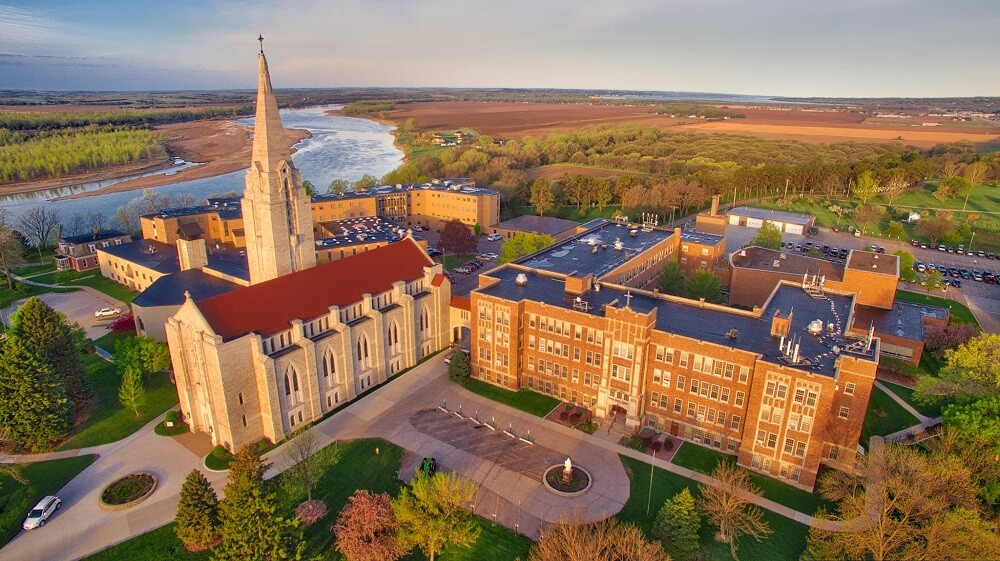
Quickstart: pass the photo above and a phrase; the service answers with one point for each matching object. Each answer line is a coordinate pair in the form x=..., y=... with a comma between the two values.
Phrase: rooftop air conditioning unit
x=521, y=279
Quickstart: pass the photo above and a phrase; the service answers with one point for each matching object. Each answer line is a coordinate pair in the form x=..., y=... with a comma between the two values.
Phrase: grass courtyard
x=347, y=467
x=906, y=394
x=91, y=278
x=884, y=416
x=526, y=400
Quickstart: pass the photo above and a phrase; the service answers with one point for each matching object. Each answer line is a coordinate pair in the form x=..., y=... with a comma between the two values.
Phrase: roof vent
x=815, y=327
x=776, y=264
x=521, y=279
x=732, y=333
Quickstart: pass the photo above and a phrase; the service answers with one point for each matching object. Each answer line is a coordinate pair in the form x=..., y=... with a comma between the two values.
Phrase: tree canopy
x=702, y=283
x=523, y=243
x=671, y=280
x=457, y=239
x=433, y=515
x=972, y=370
x=769, y=236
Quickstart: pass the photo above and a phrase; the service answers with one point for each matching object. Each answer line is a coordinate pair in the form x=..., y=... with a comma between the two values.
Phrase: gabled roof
x=92, y=237
x=169, y=290
x=268, y=307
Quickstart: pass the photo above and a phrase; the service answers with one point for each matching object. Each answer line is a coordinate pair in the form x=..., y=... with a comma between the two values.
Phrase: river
x=339, y=148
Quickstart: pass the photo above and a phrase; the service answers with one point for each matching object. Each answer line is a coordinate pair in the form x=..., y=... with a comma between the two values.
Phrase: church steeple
x=269, y=144
x=277, y=213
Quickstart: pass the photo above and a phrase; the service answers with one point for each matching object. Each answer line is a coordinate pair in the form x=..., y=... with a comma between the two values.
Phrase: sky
x=814, y=48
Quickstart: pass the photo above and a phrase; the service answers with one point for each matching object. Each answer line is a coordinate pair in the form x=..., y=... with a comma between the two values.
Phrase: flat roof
x=228, y=208
x=169, y=290
x=539, y=224
x=871, y=262
x=150, y=254
x=775, y=215
x=360, y=230
x=763, y=259
x=694, y=236
x=688, y=318
x=904, y=319
x=460, y=185
x=92, y=237
x=595, y=251
x=229, y=260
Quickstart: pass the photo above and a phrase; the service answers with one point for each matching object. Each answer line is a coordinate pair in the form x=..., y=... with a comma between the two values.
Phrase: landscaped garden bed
x=128, y=491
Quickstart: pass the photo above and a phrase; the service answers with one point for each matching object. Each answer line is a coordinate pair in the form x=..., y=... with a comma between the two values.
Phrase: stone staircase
x=613, y=429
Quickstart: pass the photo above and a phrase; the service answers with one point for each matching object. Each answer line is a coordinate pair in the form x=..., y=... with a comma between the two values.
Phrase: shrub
x=668, y=445
x=18, y=504
x=172, y=416
x=635, y=442
x=563, y=415
x=127, y=489
x=310, y=511
x=901, y=368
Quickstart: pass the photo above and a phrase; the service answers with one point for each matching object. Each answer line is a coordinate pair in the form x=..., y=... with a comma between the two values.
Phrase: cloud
x=23, y=30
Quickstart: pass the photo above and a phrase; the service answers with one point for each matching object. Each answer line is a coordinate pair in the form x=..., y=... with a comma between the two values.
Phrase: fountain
x=566, y=479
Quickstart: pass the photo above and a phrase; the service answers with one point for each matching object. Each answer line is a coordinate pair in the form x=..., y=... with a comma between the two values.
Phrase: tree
x=895, y=230
x=975, y=173
x=457, y=239
x=35, y=411
x=11, y=253
x=677, y=526
x=404, y=174
x=366, y=528
x=906, y=261
x=727, y=508
x=433, y=514
x=338, y=186
x=606, y=540
x=522, y=244
x=131, y=392
x=365, y=182
x=459, y=368
x=76, y=225
x=867, y=213
x=542, y=197
x=769, y=236
x=249, y=523
x=671, y=279
x=895, y=185
x=979, y=419
x=903, y=504
x=127, y=218
x=950, y=187
x=865, y=187
x=935, y=280
x=970, y=371
x=310, y=189
x=96, y=220
x=39, y=223
x=50, y=337
x=154, y=355
x=942, y=338
x=703, y=284
x=934, y=229
x=603, y=194
x=197, y=513
x=301, y=453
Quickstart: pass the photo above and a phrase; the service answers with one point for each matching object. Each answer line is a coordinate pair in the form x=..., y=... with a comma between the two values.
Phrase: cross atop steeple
x=628, y=299
x=261, y=39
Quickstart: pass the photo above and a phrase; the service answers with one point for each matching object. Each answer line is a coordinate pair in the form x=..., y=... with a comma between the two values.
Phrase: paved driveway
x=78, y=306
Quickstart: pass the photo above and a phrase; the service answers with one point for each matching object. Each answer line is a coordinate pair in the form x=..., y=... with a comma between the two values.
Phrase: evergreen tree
x=47, y=333
x=672, y=279
x=197, y=513
x=250, y=526
x=34, y=409
x=433, y=515
x=677, y=526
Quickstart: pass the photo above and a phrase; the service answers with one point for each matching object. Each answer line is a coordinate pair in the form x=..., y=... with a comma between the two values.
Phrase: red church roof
x=268, y=307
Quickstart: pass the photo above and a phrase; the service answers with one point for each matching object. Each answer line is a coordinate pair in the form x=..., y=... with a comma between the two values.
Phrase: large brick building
x=784, y=387
x=259, y=358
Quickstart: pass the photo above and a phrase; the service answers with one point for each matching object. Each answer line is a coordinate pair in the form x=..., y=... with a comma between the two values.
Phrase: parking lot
x=464, y=283
x=78, y=306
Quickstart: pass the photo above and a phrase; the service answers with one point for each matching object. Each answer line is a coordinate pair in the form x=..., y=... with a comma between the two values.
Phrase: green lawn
x=106, y=419
x=884, y=416
x=8, y=296
x=108, y=341
x=907, y=395
x=523, y=399
x=93, y=279
x=35, y=268
x=452, y=261
x=960, y=313
x=785, y=544
x=704, y=460
x=161, y=543
x=347, y=467
x=44, y=478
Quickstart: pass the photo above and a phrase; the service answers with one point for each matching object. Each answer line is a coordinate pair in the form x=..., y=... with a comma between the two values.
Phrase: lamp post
x=652, y=466
x=973, y=237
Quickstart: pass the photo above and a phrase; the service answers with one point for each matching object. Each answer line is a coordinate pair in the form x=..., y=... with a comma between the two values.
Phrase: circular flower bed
x=128, y=491
x=577, y=484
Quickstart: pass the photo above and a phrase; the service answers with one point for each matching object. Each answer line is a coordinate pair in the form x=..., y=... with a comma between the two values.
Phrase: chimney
x=192, y=254
x=715, y=206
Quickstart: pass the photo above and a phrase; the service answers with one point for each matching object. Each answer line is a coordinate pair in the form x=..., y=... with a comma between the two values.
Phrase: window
x=744, y=374
x=691, y=409
x=789, y=445
x=715, y=391
x=834, y=452
x=739, y=399
x=725, y=395
x=849, y=388
x=811, y=399
x=329, y=366
x=680, y=383
x=684, y=360
x=677, y=405
x=694, y=386
x=782, y=391
x=800, y=449
x=845, y=412
x=655, y=399
x=800, y=395
x=772, y=440
x=734, y=422
x=769, y=388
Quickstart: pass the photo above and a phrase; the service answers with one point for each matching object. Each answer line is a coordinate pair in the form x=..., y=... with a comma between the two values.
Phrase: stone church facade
x=262, y=360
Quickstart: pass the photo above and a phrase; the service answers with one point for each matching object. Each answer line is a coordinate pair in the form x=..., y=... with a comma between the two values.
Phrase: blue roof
x=169, y=290
x=151, y=254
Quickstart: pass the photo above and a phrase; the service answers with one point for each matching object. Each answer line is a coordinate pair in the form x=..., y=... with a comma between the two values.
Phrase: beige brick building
x=255, y=362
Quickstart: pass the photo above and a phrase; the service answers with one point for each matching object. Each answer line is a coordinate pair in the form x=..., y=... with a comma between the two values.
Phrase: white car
x=494, y=237
x=42, y=511
x=447, y=359
x=107, y=312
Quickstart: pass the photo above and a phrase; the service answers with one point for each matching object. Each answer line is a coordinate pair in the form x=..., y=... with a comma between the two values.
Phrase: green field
x=44, y=478
x=704, y=460
x=785, y=544
x=91, y=278
x=105, y=419
x=523, y=399
x=884, y=416
x=906, y=394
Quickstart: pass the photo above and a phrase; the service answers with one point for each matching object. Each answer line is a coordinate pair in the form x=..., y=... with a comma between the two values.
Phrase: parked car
x=433, y=252
x=107, y=312
x=494, y=237
x=42, y=511
x=843, y=253
x=956, y=283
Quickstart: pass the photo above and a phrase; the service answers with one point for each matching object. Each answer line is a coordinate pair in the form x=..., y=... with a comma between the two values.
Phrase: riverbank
x=219, y=146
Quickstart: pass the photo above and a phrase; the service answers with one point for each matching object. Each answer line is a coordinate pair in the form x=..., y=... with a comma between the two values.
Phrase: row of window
x=701, y=413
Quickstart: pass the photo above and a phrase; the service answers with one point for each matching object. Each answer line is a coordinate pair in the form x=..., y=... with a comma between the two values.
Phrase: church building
x=260, y=360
